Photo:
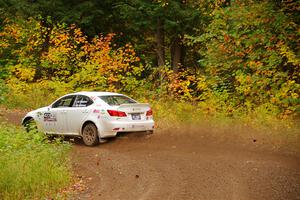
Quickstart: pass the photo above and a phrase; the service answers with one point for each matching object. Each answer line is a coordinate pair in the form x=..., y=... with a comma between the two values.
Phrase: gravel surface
x=167, y=166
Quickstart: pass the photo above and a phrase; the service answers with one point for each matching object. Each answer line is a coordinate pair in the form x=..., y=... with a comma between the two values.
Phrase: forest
x=232, y=57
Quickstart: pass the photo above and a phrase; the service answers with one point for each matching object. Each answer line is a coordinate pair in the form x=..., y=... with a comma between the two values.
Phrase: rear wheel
x=90, y=134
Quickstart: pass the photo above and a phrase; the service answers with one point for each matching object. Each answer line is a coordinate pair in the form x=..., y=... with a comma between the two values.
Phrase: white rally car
x=92, y=115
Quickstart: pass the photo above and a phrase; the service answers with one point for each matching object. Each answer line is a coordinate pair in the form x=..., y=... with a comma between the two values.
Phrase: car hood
x=33, y=112
x=41, y=109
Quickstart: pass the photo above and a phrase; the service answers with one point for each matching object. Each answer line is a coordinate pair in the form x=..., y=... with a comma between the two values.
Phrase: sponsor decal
x=49, y=117
x=38, y=114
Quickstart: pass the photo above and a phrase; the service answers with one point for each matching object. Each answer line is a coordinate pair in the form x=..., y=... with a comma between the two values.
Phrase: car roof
x=96, y=93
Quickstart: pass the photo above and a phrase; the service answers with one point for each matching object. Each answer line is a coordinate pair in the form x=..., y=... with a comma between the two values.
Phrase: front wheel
x=90, y=135
x=30, y=125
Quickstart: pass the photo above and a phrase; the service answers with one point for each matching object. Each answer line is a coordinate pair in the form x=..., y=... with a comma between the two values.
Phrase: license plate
x=136, y=116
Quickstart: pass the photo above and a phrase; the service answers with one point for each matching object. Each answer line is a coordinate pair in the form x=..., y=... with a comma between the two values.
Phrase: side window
x=82, y=101
x=64, y=102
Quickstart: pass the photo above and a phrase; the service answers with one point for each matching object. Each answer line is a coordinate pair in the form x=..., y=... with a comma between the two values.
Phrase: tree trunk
x=46, y=29
x=160, y=42
x=176, y=54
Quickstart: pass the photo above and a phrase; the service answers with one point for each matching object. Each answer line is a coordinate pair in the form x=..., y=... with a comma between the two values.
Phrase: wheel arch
x=89, y=121
x=26, y=119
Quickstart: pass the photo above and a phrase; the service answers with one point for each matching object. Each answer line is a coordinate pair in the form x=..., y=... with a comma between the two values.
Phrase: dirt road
x=169, y=166
x=186, y=165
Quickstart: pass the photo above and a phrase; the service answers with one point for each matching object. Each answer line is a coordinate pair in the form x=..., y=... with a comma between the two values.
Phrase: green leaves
x=249, y=49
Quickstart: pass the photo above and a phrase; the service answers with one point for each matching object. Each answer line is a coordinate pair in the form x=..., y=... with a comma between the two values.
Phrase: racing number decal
x=49, y=117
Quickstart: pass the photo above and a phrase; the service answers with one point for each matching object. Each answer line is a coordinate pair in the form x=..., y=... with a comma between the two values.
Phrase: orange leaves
x=94, y=61
x=97, y=63
x=57, y=53
x=60, y=39
x=182, y=85
x=226, y=38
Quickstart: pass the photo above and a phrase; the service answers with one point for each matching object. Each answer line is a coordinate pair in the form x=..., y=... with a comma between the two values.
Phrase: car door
x=78, y=113
x=55, y=119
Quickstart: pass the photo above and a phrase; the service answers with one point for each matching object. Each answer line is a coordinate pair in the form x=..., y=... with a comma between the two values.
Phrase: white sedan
x=92, y=115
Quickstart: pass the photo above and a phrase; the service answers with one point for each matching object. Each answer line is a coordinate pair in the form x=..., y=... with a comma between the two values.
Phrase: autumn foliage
x=247, y=64
x=250, y=59
x=54, y=59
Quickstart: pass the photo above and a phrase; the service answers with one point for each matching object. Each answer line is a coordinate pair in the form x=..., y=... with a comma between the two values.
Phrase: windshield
x=116, y=100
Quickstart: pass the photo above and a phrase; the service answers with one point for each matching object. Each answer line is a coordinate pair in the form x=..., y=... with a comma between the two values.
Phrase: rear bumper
x=112, y=128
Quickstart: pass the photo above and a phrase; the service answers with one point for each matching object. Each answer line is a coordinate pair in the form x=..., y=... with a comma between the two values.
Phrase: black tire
x=30, y=125
x=150, y=132
x=90, y=135
x=50, y=137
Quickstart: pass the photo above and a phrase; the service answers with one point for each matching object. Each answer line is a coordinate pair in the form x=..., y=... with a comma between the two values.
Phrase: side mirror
x=48, y=108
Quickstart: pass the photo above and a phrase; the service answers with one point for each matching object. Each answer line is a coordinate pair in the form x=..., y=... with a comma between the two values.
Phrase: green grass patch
x=31, y=166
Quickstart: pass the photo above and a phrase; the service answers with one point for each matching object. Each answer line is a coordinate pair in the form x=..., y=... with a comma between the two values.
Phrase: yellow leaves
x=77, y=32
x=274, y=100
x=290, y=89
x=24, y=74
x=295, y=95
x=201, y=83
x=290, y=55
x=254, y=64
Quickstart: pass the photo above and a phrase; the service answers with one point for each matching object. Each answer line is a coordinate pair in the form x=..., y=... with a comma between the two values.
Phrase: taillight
x=149, y=112
x=116, y=113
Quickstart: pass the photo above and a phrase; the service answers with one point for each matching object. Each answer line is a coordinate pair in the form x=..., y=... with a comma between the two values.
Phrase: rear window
x=116, y=100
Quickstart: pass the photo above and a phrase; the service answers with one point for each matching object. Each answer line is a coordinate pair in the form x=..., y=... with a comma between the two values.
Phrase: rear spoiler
x=134, y=107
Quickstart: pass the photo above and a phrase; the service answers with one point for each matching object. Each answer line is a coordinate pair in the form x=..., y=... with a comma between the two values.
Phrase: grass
x=176, y=114
x=31, y=167
x=261, y=125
